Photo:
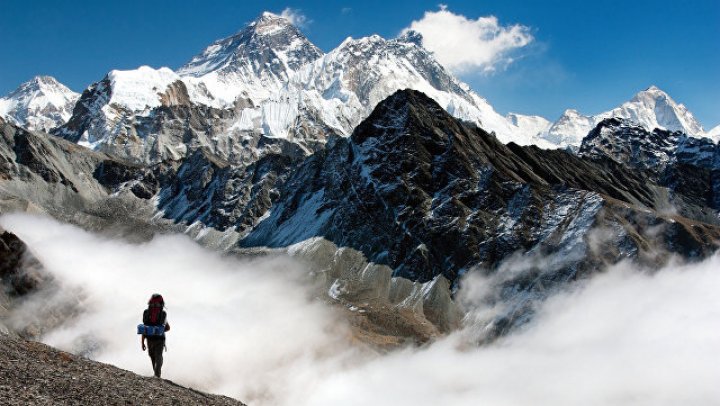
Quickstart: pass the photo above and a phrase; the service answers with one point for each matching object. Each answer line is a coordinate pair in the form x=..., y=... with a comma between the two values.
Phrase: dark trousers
x=155, y=350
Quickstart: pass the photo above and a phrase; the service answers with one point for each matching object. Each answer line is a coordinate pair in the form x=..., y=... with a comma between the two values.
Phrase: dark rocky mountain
x=413, y=193
x=688, y=166
x=213, y=202
x=428, y=195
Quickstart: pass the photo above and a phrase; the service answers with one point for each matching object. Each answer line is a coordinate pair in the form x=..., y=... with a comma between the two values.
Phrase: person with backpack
x=153, y=330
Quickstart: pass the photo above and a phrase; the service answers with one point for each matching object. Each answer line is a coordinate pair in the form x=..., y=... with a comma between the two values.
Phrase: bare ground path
x=33, y=373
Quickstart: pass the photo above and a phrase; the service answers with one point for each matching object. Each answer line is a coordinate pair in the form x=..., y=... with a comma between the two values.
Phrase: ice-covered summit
x=359, y=73
x=39, y=104
x=651, y=108
x=256, y=61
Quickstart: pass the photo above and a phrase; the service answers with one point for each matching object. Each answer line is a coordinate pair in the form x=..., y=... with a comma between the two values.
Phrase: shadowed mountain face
x=426, y=194
x=688, y=166
x=412, y=188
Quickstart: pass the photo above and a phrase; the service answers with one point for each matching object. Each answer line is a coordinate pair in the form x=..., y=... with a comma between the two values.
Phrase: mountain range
x=270, y=82
x=372, y=162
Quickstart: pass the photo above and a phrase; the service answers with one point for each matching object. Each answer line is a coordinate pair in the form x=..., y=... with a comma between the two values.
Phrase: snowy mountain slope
x=569, y=129
x=651, y=108
x=530, y=127
x=714, y=133
x=269, y=82
x=41, y=104
x=256, y=62
x=146, y=115
x=351, y=79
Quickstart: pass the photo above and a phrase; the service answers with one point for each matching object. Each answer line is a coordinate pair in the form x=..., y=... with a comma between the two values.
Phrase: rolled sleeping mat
x=150, y=330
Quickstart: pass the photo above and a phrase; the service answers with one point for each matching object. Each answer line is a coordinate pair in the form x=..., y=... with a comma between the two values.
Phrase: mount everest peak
x=256, y=61
x=42, y=103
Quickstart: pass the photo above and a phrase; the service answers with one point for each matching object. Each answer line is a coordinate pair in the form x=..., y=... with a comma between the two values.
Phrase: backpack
x=154, y=318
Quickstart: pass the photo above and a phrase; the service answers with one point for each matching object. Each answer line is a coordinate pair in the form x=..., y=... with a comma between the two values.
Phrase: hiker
x=153, y=329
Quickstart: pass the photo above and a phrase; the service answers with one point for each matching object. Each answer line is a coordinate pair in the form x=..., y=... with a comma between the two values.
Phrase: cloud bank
x=462, y=44
x=247, y=329
x=251, y=330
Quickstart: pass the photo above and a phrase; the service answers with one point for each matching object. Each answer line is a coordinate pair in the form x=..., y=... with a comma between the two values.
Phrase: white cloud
x=296, y=17
x=462, y=44
x=626, y=338
x=249, y=330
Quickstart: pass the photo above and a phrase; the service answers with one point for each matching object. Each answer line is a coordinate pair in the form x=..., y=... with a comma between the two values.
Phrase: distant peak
x=269, y=15
x=651, y=96
x=43, y=84
x=44, y=79
x=654, y=92
x=268, y=23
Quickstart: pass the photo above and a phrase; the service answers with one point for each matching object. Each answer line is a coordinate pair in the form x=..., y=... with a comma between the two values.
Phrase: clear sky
x=585, y=55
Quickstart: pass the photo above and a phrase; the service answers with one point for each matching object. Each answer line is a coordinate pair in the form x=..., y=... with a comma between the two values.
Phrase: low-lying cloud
x=250, y=329
x=463, y=44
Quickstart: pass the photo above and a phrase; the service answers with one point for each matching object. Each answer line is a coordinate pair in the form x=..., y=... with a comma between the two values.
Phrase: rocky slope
x=417, y=190
x=413, y=189
x=211, y=201
x=688, y=166
x=33, y=373
x=40, y=104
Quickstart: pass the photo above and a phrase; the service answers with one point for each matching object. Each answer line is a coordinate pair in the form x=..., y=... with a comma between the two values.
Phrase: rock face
x=414, y=191
x=20, y=272
x=40, y=104
x=425, y=194
x=688, y=166
x=33, y=373
x=45, y=174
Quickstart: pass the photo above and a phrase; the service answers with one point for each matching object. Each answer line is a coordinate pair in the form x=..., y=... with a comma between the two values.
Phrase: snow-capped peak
x=411, y=37
x=41, y=104
x=352, y=78
x=255, y=62
x=651, y=108
x=269, y=23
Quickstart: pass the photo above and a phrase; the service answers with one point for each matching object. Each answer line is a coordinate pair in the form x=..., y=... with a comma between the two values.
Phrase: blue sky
x=588, y=56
